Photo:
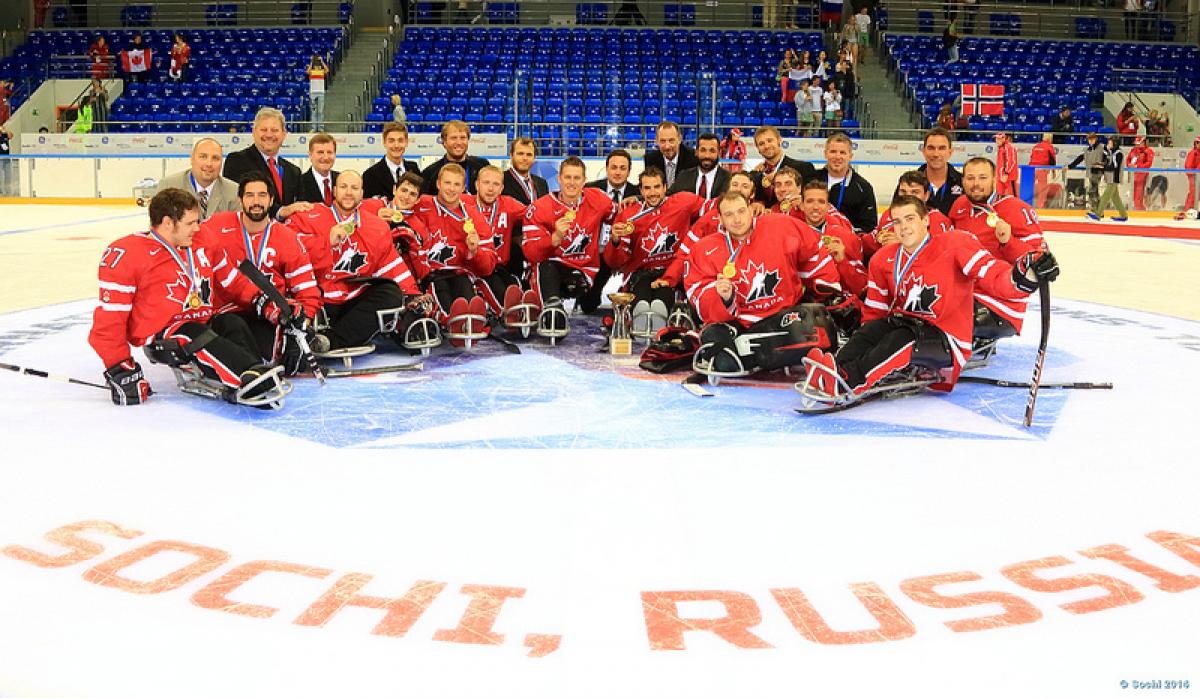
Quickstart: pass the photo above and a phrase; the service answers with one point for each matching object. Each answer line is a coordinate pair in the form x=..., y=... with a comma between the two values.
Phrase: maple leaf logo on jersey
x=762, y=282
x=181, y=289
x=920, y=298
x=350, y=261
x=579, y=243
x=660, y=241
x=440, y=252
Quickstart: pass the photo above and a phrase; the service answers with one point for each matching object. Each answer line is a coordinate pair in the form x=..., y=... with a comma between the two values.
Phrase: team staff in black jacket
x=381, y=178
x=456, y=137
x=849, y=193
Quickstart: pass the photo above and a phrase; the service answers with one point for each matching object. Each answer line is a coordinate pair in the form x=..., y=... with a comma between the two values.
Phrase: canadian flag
x=135, y=60
x=982, y=100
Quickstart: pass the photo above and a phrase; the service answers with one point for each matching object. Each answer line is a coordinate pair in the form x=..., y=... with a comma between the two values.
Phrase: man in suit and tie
x=708, y=180
x=770, y=146
x=214, y=192
x=316, y=185
x=672, y=155
x=270, y=129
x=381, y=178
x=456, y=137
x=519, y=182
x=618, y=187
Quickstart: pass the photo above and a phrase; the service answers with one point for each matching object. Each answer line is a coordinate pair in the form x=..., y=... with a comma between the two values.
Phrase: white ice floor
x=545, y=525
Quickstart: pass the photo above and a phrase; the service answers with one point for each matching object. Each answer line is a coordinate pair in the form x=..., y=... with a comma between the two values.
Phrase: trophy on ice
x=620, y=342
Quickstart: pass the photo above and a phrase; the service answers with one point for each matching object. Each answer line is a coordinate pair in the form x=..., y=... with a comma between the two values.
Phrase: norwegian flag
x=982, y=100
x=135, y=60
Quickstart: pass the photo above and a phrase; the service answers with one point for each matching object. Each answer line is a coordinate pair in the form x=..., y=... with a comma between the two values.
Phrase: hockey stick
x=368, y=370
x=285, y=313
x=42, y=374
x=1001, y=383
x=509, y=346
x=694, y=383
x=1035, y=382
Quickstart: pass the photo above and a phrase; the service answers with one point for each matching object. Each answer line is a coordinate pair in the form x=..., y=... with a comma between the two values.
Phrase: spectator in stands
x=316, y=185
x=40, y=8
x=99, y=48
x=1158, y=128
x=733, y=148
x=317, y=73
x=783, y=75
x=6, y=90
x=816, y=104
x=862, y=22
x=398, y=114
x=850, y=194
x=1043, y=155
x=843, y=77
x=99, y=96
x=820, y=67
x=136, y=59
x=1141, y=156
x=381, y=178
x=269, y=132
x=1062, y=125
x=804, y=122
x=1132, y=9
x=1093, y=161
x=673, y=155
x=1112, y=184
x=707, y=180
x=181, y=55
x=456, y=138
x=519, y=181
x=83, y=116
x=203, y=178
x=950, y=38
x=1006, y=165
x=833, y=107
x=769, y=146
x=800, y=72
x=1127, y=123
x=100, y=70
x=945, y=182
x=850, y=36
x=945, y=119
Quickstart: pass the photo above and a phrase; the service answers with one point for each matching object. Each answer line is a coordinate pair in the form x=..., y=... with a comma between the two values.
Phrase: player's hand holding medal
x=1003, y=229
x=836, y=249
x=472, y=237
x=562, y=225
x=341, y=231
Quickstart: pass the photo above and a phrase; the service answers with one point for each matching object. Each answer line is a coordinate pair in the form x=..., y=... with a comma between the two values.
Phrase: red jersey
x=936, y=284
x=180, y=55
x=851, y=269
x=368, y=252
x=580, y=247
x=147, y=287
x=444, y=240
x=657, y=233
x=503, y=217
x=277, y=250
x=707, y=221
x=938, y=223
x=1140, y=156
x=1043, y=154
x=1026, y=228
x=774, y=264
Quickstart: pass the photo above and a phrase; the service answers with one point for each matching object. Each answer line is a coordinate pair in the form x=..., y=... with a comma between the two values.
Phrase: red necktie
x=703, y=187
x=278, y=182
x=328, y=193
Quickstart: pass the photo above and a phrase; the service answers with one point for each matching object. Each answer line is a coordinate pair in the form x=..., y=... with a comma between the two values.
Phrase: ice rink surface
x=560, y=523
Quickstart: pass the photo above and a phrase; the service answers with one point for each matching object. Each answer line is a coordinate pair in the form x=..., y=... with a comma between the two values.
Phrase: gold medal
x=397, y=217
x=767, y=180
x=729, y=271
x=827, y=239
x=469, y=227
x=992, y=219
x=785, y=206
x=569, y=216
x=193, y=300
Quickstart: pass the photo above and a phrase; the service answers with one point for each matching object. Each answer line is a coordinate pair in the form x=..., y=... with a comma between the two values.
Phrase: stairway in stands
x=349, y=95
x=884, y=99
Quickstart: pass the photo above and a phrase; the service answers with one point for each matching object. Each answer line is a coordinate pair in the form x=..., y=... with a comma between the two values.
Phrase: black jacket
x=1061, y=124
x=807, y=173
x=943, y=199
x=1113, y=165
x=377, y=179
x=310, y=188
x=514, y=189
x=627, y=191
x=687, y=158
x=472, y=164
x=687, y=181
x=858, y=201
x=241, y=162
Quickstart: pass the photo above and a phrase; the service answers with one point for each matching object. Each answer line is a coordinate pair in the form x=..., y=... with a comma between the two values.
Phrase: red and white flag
x=982, y=100
x=135, y=60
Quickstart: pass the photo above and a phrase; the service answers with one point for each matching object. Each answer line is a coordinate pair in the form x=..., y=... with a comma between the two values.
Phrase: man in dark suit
x=708, y=180
x=672, y=155
x=770, y=146
x=618, y=187
x=380, y=179
x=456, y=136
x=316, y=185
x=270, y=129
x=850, y=193
x=519, y=181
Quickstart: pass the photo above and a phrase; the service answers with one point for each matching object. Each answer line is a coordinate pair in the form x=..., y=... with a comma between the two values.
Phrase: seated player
x=562, y=244
x=748, y=281
x=919, y=309
x=786, y=186
x=706, y=224
x=644, y=240
x=505, y=216
x=457, y=252
x=365, y=283
x=837, y=235
x=167, y=303
x=912, y=183
x=273, y=247
x=1009, y=229
x=397, y=213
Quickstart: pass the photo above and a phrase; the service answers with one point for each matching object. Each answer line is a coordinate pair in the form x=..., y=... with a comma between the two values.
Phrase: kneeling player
x=748, y=281
x=562, y=244
x=158, y=290
x=918, y=314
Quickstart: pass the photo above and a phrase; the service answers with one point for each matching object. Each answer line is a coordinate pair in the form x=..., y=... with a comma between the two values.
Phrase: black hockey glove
x=1033, y=267
x=267, y=310
x=126, y=383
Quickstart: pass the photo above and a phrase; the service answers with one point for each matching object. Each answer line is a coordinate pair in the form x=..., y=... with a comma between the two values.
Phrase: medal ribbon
x=645, y=212
x=190, y=269
x=574, y=208
x=729, y=245
x=262, y=246
x=338, y=217
x=491, y=217
x=447, y=212
x=527, y=188
x=900, y=272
